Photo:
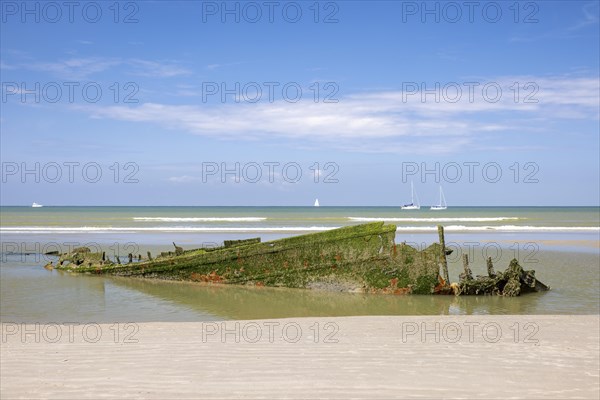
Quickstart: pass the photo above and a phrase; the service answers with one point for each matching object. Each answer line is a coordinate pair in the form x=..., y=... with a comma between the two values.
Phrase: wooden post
x=178, y=250
x=443, y=259
x=467, y=275
x=466, y=266
x=149, y=256
x=118, y=259
x=130, y=257
x=490, y=268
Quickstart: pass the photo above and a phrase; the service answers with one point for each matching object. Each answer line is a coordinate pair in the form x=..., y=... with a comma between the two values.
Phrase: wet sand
x=593, y=244
x=345, y=357
x=557, y=243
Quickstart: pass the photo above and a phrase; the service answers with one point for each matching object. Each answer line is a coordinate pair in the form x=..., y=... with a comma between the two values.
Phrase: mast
x=442, y=198
x=417, y=196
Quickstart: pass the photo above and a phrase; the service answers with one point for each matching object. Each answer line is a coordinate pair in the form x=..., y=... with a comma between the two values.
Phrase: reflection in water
x=29, y=293
x=574, y=279
x=33, y=293
x=233, y=302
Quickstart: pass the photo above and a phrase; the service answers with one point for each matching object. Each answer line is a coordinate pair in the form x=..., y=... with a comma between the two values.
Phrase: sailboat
x=36, y=205
x=414, y=205
x=442, y=205
x=317, y=203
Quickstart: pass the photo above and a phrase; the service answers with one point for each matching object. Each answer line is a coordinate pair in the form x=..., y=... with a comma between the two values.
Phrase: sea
x=562, y=244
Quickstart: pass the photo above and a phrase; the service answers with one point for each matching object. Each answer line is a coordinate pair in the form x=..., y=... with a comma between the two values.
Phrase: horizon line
x=303, y=206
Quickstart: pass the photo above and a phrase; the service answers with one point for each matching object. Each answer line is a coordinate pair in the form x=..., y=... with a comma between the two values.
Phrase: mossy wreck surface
x=357, y=258
x=360, y=258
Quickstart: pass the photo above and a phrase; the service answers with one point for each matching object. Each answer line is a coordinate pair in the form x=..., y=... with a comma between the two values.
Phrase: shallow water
x=29, y=293
x=566, y=259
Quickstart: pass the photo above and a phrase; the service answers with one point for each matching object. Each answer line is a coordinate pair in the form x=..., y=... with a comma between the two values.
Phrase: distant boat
x=442, y=205
x=414, y=205
x=317, y=203
x=36, y=205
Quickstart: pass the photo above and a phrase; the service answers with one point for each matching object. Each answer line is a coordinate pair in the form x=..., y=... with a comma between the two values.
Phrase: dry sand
x=355, y=357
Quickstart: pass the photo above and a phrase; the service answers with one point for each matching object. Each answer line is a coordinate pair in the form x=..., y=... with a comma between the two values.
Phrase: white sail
x=414, y=204
x=316, y=202
x=442, y=205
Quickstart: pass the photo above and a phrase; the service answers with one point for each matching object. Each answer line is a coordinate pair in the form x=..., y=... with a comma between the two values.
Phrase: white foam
x=201, y=219
x=126, y=229
x=200, y=229
x=458, y=219
x=502, y=228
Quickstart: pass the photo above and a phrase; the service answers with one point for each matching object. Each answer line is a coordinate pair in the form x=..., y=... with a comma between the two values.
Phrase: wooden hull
x=356, y=258
x=360, y=258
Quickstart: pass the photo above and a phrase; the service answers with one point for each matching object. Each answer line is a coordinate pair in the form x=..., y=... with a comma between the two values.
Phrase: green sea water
x=296, y=217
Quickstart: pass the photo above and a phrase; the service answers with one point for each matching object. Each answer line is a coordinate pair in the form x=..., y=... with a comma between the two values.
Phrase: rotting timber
x=359, y=258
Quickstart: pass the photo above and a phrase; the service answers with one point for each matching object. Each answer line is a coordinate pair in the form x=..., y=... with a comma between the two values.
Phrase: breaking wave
x=502, y=228
x=127, y=229
x=458, y=219
x=201, y=219
x=274, y=229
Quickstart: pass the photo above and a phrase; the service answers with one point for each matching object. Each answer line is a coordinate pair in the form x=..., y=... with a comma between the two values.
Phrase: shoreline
x=519, y=356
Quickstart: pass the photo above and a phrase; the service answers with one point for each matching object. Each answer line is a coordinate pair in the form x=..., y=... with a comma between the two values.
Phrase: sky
x=278, y=103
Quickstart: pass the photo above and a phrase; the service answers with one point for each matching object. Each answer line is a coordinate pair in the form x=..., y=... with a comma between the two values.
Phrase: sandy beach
x=473, y=356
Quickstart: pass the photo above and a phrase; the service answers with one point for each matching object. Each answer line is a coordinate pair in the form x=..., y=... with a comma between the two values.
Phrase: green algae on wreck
x=359, y=258
x=355, y=258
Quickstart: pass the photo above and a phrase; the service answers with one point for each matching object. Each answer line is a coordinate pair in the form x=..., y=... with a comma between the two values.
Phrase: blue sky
x=503, y=87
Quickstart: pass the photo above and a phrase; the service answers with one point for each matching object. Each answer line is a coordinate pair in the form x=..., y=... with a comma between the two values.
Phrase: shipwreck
x=360, y=258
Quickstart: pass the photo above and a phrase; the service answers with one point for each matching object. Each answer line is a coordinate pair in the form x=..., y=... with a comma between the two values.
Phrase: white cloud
x=74, y=68
x=215, y=66
x=590, y=16
x=381, y=121
x=184, y=179
x=4, y=65
x=157, y=69
x=85, y=67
